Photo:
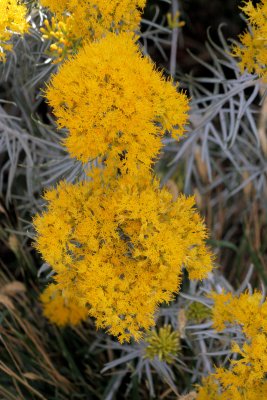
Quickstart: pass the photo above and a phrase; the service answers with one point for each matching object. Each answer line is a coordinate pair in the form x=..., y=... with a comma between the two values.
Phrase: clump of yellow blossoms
x=77, y=21
x=113, y=101
x=12, y=22
x=246, y=378
x=119, y=247
x=60, y=309
x=164, y=344
x=253, y=49
x=120, y=242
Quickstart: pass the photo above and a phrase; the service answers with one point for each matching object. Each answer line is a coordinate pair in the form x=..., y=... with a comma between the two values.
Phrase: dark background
x=199, y=15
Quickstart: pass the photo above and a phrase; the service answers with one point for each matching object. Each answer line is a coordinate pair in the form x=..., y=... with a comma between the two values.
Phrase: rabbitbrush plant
x=91, y=131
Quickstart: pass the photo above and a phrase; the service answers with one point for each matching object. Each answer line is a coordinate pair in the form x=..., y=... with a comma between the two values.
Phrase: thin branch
x=175, y=34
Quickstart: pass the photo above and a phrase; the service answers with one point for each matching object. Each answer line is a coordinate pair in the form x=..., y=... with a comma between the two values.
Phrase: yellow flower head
x=90, y=20
x=12, y=22
x=246, y=377
x=114, y=102
x=120, y=247
x=60, y=309
x=253, y=48
x=165, y=344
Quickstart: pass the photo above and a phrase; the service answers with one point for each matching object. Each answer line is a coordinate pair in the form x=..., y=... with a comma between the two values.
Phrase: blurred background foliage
x=222, y=160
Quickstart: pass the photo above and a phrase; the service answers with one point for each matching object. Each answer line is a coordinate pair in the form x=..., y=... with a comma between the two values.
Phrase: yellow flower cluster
x=119, y=241
x=253, y=49
x=76, y=21
x=12, y=22
x=114, y=102
x=120, y=248
x=246, y=379
x=61, y=309
x=164, y=344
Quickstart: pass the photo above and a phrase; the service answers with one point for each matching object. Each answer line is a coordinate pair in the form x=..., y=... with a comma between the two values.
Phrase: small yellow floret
x=64, y=42
x=60, y=309
x=209, y=389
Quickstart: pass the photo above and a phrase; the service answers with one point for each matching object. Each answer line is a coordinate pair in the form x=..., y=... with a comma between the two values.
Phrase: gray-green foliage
x=32, y=156
x=202, y=347
x=223, y=131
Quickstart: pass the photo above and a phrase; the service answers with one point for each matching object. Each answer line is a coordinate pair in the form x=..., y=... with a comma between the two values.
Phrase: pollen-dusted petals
x=114, y=101
x=90, y=20
x=60, y=309
x=13, y=15
x=119, y=247
x=253, y=47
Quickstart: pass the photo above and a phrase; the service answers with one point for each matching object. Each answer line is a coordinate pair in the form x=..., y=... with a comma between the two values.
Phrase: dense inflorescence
x=78, y=21
x=253, y=48
x=120, y=243
x=246, y=377
x=120, y=248
x=12, y=22
x=114, y=102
